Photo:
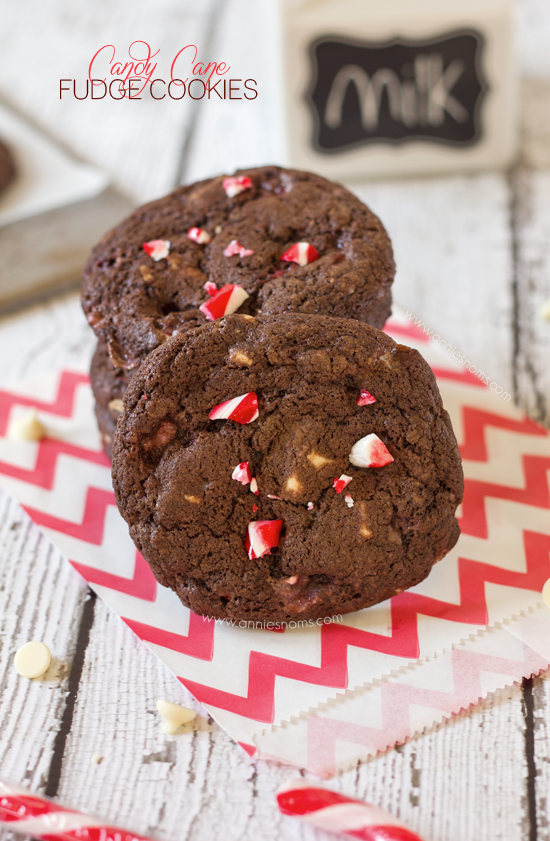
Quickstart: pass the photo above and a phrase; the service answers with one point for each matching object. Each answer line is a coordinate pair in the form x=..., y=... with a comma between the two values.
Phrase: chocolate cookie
x=277, y=240
x=339, y=433
x=108, y=386
x=7, y=167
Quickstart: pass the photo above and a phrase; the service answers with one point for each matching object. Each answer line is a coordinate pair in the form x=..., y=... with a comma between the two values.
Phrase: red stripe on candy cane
x=261, y=537
x=301, y=253
x=225, y=301
x=337, y=813
x=235, y=184
x=243, y=409
x=42, y=818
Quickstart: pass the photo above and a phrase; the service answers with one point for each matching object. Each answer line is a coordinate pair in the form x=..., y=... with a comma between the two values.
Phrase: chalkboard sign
x=397, y=91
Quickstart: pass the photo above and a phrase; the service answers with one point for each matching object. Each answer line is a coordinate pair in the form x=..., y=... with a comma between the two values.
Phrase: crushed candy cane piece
x=272, y=496
x=234, y=248
x=242, y=473
x=365, y=398
x=254, y=509
x=224, y=301
x=370, y=451
x=242, y=409
x=261, y=537
x=157, y=248
x=254, y=487
x=235, y=184
x=210, y=288
x=341, y=483
x=199, y=235
x=301, y=253
x=310, y=506
x=349, y=500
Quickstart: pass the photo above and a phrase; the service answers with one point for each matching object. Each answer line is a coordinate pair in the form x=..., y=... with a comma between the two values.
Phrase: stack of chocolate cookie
x=276, y=456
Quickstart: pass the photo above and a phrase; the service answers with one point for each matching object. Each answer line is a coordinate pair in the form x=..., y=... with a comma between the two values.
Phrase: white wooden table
x=473, y=258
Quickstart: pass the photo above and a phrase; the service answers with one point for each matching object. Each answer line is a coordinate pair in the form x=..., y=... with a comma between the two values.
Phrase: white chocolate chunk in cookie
x=116, y=405
x=317, y=460
x=240, y=358
x=293, y=485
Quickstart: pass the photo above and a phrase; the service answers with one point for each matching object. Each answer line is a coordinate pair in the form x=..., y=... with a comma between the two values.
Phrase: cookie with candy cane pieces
x=257, y=486
x=279, y=240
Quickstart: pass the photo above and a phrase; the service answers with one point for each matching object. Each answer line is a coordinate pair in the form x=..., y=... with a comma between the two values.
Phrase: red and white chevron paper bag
x=472, y=626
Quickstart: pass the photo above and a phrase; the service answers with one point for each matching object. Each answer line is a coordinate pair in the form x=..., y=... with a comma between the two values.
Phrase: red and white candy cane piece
x=261, y=537
x=157, y=248
x=301, y=253
x=210, y=288
x=370, y=451
x=224, y=301
x=242, y=473
x=365, y=398
x=243, y=409
x=349, y=500
x=337, y=813
x=199, y=235
x=341, y=483
x=254, y=487
x=42, y=818
x=234, y=248
x=235, y=184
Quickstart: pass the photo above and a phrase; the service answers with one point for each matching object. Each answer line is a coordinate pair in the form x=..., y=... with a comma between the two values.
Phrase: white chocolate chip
x=27, y=427
x=249, y=317
x=240, y=358
x=365, y=531
x=32, y=659
x=293, y=485
x=191, y=498
x=218, y=229
x=317, y=460
x=97, y=759
x=145, y=273
x=174, y=715
x=116, y=405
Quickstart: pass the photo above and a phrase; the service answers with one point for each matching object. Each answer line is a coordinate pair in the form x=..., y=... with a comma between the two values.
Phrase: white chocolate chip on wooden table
x=32, y=659
x=174, y=715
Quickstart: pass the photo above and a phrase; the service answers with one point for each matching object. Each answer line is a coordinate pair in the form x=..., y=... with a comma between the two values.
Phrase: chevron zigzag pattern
x=335, y=737
x=331, y=670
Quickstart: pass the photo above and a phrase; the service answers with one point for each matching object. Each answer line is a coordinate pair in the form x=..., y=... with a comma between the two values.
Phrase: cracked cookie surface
x=183, y=480
x=134, y=299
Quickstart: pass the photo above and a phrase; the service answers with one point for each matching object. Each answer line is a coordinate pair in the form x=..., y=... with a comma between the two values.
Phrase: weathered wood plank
x=454, y=263
x=532, y=230
x=41, y=597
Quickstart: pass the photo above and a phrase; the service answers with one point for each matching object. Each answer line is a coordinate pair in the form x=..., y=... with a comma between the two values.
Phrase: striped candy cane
x=335, y=812
x=30, y=814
